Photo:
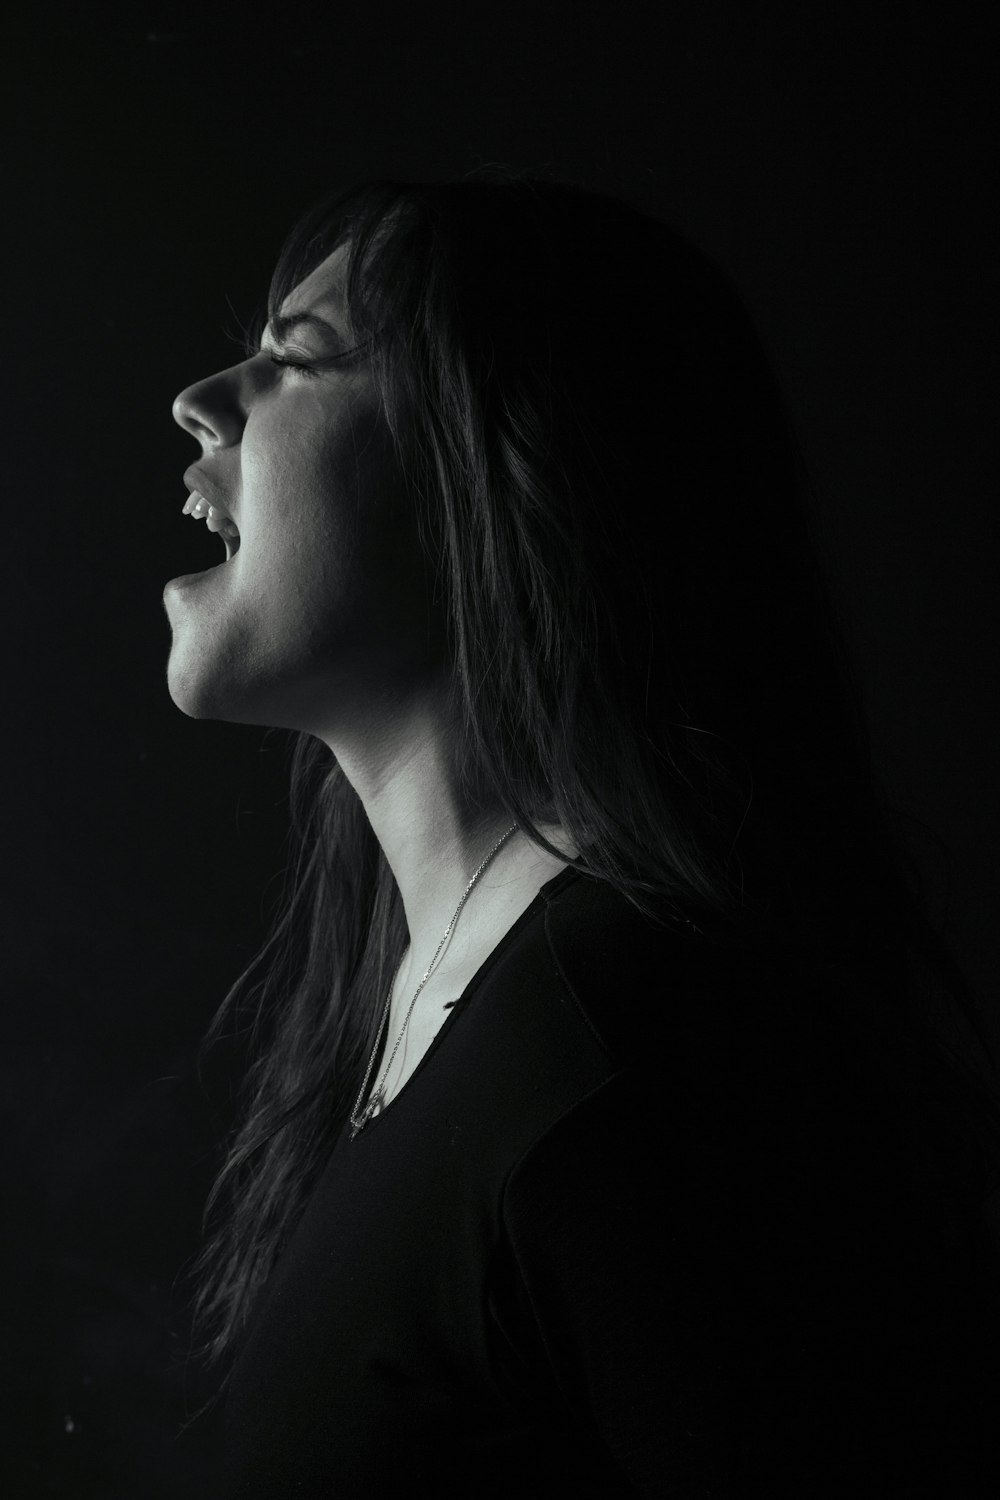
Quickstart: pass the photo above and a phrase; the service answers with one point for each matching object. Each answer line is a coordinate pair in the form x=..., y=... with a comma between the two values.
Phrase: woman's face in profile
x=323, y=609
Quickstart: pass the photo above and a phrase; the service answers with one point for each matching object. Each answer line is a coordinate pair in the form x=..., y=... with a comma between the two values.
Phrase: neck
x=432, y=838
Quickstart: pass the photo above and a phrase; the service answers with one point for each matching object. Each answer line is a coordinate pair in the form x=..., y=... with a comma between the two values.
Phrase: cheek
x=307, y=467
x=331, y=548
x=385, y=529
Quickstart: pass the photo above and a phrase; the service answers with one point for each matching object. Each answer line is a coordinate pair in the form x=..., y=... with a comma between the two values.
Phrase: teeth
x=196, y=505
x=220, y=523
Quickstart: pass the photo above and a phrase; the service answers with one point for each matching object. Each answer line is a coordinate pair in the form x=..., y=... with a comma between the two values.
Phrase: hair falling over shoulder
x=644, y=647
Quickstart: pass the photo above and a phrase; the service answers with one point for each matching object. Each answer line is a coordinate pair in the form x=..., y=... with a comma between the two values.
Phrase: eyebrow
x=281, y=325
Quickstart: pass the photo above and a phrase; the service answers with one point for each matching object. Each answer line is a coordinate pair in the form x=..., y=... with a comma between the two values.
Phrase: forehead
x=325, y=283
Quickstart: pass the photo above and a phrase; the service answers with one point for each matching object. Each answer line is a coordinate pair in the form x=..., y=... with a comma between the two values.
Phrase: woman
x=595, y=1140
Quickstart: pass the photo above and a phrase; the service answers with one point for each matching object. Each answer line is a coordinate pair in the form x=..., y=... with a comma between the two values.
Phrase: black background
x=838, y=161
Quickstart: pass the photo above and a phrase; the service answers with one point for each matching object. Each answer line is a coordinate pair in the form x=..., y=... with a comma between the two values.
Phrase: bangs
x=376, y=221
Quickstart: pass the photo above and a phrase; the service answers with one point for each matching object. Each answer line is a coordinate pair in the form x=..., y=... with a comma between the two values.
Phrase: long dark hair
x=644, y=648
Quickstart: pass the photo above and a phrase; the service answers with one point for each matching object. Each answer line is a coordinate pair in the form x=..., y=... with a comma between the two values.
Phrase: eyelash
x=293, y=364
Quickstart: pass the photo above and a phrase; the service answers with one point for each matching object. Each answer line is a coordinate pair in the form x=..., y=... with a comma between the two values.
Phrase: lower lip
x=192, y=580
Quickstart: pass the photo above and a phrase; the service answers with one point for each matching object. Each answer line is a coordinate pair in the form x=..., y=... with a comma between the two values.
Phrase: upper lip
x=196, y=479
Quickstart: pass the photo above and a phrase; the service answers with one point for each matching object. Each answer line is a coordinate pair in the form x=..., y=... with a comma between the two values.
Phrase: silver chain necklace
x=359, y=1121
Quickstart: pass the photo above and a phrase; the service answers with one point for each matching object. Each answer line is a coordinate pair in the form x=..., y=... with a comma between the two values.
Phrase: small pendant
x=366, y=1113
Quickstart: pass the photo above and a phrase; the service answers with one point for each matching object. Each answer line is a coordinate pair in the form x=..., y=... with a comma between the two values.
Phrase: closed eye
x=294, y=364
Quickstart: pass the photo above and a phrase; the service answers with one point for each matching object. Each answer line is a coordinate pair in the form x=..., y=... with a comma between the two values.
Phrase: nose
x=210, y=411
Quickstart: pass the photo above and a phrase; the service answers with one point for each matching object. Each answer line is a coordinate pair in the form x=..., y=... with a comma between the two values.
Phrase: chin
x=195, y=694
x=205, y=686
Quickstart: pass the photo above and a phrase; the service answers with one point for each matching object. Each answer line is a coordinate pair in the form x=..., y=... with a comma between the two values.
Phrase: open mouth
x=216, y=519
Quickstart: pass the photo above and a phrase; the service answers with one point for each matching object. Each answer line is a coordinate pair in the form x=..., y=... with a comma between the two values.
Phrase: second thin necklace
x=360, y=1120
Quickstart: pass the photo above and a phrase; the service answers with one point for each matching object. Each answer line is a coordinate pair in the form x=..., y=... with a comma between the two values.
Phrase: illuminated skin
x=324, y=608
x=323, y=622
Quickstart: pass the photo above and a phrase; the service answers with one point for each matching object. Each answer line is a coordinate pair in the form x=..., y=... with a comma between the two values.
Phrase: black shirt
x=638, y=1224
